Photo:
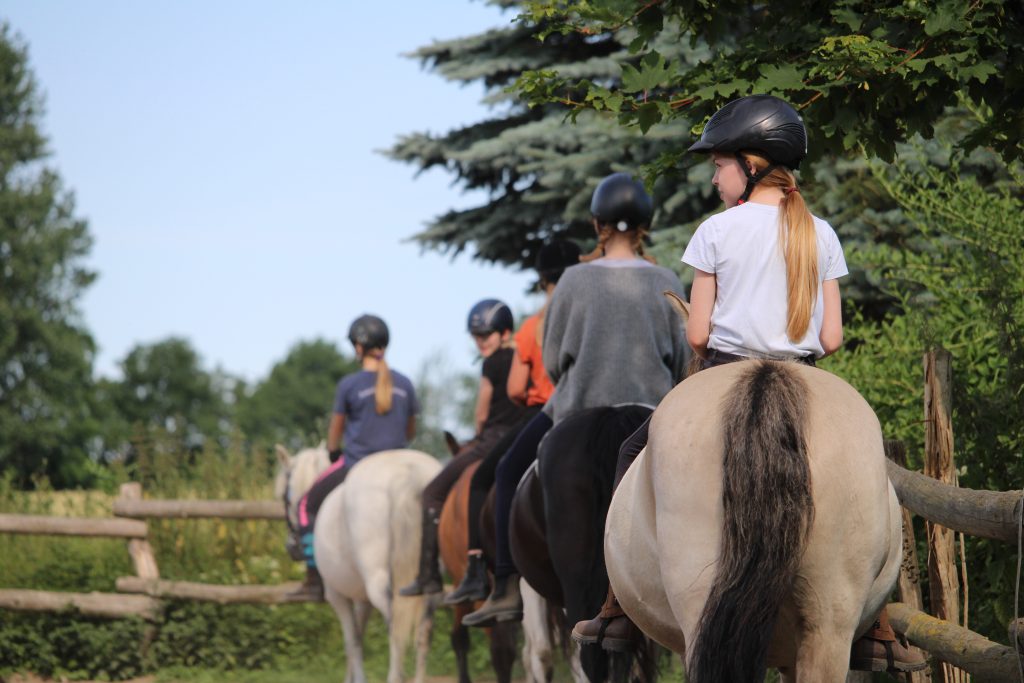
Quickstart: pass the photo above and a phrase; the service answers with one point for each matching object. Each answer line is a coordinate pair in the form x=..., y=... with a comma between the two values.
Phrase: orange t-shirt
x=529, y=352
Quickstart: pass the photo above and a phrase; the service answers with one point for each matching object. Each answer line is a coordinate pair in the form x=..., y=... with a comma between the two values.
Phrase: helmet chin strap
x=752, y=178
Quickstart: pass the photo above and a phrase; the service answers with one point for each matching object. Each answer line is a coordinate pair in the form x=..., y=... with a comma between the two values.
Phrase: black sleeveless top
x=502, y=411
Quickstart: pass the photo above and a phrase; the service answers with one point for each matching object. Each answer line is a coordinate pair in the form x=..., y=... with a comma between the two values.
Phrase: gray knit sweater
x=611, y=336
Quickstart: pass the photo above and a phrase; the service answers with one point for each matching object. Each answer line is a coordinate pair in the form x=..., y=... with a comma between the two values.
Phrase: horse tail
x=403, y=525
x=766, y=490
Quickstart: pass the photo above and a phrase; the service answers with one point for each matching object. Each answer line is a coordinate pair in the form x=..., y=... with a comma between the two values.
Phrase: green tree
x=46, y=354
x=292, y=404
x=538, y=172
x=866, y=75
x=165, y=388
x=540, y=163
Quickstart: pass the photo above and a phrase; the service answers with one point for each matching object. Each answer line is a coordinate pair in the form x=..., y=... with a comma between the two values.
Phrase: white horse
x=759, y=527
x=366, y=542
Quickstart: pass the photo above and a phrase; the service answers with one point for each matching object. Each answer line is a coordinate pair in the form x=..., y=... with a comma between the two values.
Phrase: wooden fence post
x=910, y=570
x=943, y=577
x=140, y=549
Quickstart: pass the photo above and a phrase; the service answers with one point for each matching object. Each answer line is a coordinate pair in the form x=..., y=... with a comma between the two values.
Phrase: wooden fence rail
x=109, y=605
x=975, y=654
x=197, y=509
x=206, y=592
x=43, y=525
x=987, y=514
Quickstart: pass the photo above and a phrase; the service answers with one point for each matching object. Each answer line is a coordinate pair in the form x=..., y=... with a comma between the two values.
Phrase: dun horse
x=758, y=528
x=366, y=542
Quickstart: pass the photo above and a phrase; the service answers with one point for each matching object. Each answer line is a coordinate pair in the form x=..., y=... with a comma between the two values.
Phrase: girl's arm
x=483, y=403
x=831, y=336
x=334, y=431
x=518, y=380
x=702, y=302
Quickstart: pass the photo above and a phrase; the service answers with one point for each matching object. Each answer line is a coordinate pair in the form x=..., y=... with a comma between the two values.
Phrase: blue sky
x=226, y=157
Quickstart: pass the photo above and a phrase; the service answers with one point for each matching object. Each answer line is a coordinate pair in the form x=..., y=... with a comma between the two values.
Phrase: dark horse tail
x=766, y=484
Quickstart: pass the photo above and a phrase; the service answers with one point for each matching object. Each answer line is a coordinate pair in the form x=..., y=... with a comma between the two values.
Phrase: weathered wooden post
x=943, y=578
x=139, y=548
x=910, y=570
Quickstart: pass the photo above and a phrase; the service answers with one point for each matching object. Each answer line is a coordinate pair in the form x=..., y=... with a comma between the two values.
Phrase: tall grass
x=192, y=641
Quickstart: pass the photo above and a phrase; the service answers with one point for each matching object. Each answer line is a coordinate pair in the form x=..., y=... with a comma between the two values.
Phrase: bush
x=961, y=291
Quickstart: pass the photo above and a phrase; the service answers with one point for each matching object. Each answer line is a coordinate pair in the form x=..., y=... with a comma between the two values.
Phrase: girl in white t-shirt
x=766, y=271
x=765, y=286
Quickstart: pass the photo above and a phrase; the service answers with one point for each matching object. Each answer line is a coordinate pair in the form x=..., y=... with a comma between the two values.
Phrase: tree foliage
x=960, y=290
x=292, y=404
x=537, y=172
x=865, y=75
x=46, y=411
x=164, y=387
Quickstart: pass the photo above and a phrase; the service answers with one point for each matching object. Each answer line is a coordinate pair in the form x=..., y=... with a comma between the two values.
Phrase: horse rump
x=768, y=511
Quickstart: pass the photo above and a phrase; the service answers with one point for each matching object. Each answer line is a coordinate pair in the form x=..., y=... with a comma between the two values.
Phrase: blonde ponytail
x=384, y=389
x=799, y=241
x=800, y=247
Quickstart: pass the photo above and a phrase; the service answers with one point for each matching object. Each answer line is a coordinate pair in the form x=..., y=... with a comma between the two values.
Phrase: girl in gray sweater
x=610, y=337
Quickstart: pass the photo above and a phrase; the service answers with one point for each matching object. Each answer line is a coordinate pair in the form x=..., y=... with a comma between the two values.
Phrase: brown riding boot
x=505, y=603
x=311, y=590
x=880, y=650
x=611, y=628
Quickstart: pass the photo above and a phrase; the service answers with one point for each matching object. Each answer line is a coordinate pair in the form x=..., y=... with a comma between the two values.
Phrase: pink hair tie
x=790, y=190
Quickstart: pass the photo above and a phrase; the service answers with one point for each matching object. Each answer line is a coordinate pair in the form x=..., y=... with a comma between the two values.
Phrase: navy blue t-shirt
x=367, y=432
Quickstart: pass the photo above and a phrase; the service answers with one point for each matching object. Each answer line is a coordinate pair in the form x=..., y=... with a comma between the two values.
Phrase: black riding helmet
x=622, y=202
x=369, y=331
x=554, y=257
x=490, y=315
x=757, y=123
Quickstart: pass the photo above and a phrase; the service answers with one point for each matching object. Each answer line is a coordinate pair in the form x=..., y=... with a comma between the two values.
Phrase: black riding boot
x=311, y=590
x=428, y=580
x=474, y=584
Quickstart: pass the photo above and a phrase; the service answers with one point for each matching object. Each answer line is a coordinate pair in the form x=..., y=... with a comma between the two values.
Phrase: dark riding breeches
x=437, y=490
x=510, y=470
x=310, y=503
x=632, y=446
x=483, y=478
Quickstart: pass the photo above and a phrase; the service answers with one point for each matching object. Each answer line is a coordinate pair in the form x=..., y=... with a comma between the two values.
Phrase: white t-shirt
x=740, y=246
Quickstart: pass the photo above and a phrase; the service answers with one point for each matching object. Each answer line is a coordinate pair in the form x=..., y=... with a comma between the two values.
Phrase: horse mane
x=302, y=470
x=766, y=483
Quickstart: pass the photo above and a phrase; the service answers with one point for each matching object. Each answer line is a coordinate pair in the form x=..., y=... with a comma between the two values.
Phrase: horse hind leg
x=351, y=629
x=460, y=643
x=537, y=645
x=424, y=631
x=822, y=658
x=503, y=649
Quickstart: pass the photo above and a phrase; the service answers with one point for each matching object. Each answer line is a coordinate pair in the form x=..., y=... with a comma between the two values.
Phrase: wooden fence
x=950, y=513
x=140, y=595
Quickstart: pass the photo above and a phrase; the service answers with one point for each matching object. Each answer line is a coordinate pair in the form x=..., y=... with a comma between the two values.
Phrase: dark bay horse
x=558, y=523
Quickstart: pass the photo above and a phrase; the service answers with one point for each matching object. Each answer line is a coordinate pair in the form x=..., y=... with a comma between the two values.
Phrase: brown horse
x=453, y=535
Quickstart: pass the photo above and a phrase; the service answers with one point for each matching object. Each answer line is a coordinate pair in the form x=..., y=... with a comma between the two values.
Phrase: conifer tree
x=46, y=415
